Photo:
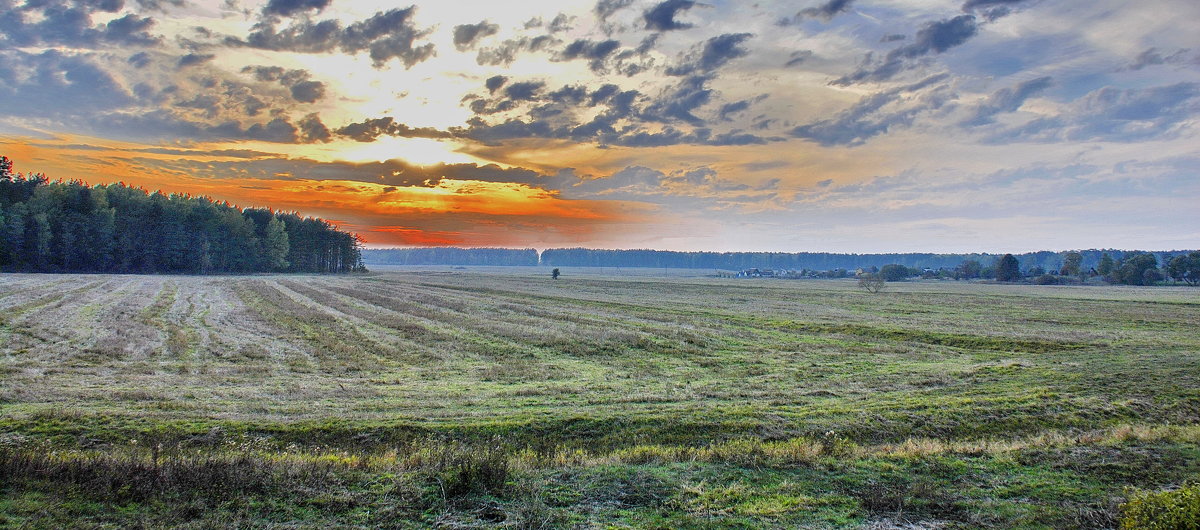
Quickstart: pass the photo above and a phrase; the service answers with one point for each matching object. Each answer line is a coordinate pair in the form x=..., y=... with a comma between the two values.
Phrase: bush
x=1046, y=279
x=872, y=283
x=894, y=272
x=1154, y=510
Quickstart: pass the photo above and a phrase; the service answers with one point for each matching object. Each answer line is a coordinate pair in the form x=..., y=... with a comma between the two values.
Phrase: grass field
x=466, y=398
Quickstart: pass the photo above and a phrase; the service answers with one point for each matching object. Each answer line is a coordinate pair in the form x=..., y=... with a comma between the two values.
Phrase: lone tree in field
x=871, y=283
x=1008, y=269
x=554, y=273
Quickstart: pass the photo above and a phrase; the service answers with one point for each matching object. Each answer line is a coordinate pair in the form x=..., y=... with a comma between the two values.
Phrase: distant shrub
x=894, y=272
x=872, y=283
x=1163, y=510
x=1046, y=279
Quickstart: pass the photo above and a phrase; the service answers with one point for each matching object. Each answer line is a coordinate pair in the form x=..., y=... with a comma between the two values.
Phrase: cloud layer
x=848, y=125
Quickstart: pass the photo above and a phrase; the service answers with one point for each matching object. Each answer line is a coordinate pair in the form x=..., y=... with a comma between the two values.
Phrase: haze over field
x=840, y=125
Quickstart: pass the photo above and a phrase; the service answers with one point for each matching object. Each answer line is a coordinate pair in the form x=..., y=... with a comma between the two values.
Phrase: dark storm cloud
x=61, y=23
x=1006, y=100
x=467, y=35
x=1114, y=115
x=712, y=54
x=934, y=37
x=288, y=8
x=876, y=114
x=385, y=36
x=662, y=16
x=825, y=11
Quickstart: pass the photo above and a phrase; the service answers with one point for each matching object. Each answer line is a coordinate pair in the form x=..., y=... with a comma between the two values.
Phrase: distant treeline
x=734, y=261
x=452, y=256
x=55, y=226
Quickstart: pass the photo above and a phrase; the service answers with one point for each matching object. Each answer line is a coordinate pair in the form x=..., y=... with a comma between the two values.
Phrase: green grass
x=442, y=399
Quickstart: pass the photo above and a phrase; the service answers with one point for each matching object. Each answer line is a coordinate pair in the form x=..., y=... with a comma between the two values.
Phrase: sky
x=827, y=125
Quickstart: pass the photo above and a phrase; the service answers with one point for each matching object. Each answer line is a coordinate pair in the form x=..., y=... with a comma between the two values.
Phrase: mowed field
x=468, y=398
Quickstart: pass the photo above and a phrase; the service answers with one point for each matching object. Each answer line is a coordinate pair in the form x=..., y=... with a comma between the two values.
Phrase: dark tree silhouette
x=1008, y=269
x=554, y=274
x=1185, y=268
x=72, y=227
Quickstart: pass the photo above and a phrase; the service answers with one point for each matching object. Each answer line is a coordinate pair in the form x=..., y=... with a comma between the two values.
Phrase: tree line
x=974, y=265
x=510, y=257
x=1132, y=268
x=57, y=226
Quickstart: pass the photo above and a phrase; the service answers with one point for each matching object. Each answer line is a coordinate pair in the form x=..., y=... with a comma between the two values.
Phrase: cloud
x=507, y=51
x=313, y=130
x=385, y=36
x=561, y=22
x=62, y=23
x=288, y=8
x=369, y=130
x=933, y=37
x=738, y=107
x=467, y=35
x=607, y=8
x=52, y=84
x=877, y=114
x=167, y=125
x=594, y=51
x=494, y=83
x=298, y=82
x=712, y=54
x=1154, y=57
x=825, y=11
x=973, y=5
x=661, y=17
x=194, y=59
x=798, y=57
x=606, y=115
x=1114, y=115
x=1006, y=100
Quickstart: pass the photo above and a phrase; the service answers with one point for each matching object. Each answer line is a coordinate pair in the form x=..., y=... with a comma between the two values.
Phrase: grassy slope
x=628, y=401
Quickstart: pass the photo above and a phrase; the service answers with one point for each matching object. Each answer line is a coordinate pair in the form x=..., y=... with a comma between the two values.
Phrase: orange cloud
x=450, y=212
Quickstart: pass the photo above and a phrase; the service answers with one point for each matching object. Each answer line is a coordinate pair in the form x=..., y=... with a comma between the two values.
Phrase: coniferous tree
x=72, y=227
